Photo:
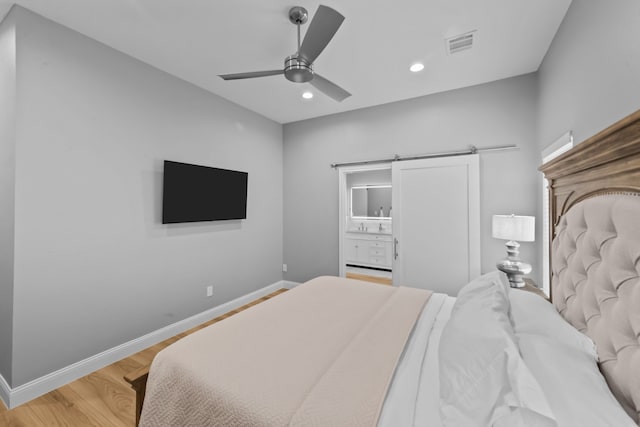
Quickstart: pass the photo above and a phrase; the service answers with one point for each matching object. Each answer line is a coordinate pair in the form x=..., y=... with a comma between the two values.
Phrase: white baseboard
x=13, y=397
x=5, y=391
x=289, y=284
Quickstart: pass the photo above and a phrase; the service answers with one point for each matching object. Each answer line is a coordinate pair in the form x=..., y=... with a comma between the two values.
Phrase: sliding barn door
x=436, y=222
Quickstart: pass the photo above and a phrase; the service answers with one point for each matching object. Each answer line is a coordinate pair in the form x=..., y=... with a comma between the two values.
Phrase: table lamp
x=513, y=228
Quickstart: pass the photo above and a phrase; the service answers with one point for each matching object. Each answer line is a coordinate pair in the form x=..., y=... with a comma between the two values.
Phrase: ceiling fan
x=298, y=67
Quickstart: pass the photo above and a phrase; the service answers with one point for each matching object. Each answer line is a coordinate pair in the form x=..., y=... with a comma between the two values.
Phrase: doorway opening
x=366, y=223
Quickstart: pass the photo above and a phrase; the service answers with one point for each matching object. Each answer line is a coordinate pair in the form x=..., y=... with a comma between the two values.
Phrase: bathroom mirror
x=371, y=202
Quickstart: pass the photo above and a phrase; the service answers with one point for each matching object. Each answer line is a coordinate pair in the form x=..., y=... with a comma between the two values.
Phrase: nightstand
x=530, y=286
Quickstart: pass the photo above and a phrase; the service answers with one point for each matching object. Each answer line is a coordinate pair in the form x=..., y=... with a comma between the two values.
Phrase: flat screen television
x=194, y=193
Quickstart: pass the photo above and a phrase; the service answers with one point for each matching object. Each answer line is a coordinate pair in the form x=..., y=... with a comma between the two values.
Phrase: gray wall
x=497, y=113
x=7, y=181
x=94, y=267
x=370, y=177
x=590, y=77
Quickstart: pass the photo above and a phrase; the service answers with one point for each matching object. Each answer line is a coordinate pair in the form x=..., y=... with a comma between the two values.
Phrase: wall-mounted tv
x=194, y=193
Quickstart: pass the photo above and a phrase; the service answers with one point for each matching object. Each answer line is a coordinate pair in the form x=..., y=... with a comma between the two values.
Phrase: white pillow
x=563, y=360
x=483, y=380
x=531, y=314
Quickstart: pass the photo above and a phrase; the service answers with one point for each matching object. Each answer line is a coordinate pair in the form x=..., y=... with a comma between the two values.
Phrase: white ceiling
x=369, y=56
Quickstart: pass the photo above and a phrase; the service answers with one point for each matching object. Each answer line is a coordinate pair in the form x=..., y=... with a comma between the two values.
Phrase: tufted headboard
x=594, y=204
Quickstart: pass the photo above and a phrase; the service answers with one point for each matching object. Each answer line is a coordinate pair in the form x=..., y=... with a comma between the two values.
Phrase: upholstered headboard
x=595, y=252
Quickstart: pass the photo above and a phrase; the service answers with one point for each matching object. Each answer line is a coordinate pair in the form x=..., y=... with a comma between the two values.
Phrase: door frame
x=343, y=209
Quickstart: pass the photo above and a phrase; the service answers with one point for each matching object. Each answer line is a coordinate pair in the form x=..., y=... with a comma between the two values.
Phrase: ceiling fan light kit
x=298, y=67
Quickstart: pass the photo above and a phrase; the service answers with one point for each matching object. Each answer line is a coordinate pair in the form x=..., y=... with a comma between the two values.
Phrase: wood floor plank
x=369, y=278
x=106, y=396
x=102, y=398
x=98, y=412
x=19, y=417
x=55, y=409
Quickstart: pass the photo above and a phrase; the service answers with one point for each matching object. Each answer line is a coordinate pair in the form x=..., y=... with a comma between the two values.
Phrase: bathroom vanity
x=368, y=249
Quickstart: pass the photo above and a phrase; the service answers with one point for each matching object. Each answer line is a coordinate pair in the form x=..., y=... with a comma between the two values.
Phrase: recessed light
x=307, y=95
x=416, y=67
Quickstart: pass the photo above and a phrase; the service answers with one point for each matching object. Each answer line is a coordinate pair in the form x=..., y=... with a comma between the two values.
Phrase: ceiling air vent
x=461, y=42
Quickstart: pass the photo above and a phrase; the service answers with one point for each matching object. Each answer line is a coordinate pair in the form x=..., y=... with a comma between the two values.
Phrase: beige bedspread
x=322, y=354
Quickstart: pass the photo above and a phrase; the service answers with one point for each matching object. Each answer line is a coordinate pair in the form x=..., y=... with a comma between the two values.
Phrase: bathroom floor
x=369, y=275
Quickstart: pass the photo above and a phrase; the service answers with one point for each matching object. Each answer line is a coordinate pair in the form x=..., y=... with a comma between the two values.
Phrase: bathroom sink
x=373, y=230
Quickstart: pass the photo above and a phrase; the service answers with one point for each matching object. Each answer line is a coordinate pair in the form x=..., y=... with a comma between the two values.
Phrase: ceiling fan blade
x=330, y=89
x=321, y=30
x=251, y=75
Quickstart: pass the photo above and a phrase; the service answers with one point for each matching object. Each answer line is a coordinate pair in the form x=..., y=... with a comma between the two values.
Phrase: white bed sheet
x=413, y=398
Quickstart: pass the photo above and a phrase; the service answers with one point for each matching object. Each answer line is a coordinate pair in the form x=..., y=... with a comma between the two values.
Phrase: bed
x=338, y=351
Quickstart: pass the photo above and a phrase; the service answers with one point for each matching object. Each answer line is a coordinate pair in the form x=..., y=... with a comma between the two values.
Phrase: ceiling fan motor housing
x=297, y=69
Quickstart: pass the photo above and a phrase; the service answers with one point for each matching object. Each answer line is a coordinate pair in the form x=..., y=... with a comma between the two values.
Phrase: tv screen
x=194, y=193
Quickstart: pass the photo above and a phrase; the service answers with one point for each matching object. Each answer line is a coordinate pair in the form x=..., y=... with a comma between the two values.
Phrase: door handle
x=395, y=248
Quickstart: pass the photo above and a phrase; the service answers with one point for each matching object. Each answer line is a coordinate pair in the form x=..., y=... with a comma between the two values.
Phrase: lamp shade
x=514, y=227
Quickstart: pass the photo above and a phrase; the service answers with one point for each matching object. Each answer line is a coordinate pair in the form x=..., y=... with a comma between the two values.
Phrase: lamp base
x=513, y=267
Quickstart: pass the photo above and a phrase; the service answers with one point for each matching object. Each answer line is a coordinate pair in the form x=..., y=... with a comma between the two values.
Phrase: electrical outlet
x=209, y=291
x=284, y=268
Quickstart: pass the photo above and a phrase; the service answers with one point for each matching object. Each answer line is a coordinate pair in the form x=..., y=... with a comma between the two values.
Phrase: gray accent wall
x=7, y=198
x=94, y=266
x=498, y=113
x=590, y=77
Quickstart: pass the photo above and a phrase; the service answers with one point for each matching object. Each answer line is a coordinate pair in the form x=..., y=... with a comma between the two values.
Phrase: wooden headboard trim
x=588, y=169
x=624, y=133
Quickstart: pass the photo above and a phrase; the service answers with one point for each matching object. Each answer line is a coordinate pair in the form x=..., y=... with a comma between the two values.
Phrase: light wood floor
x=101, y=399
x=368, y=278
